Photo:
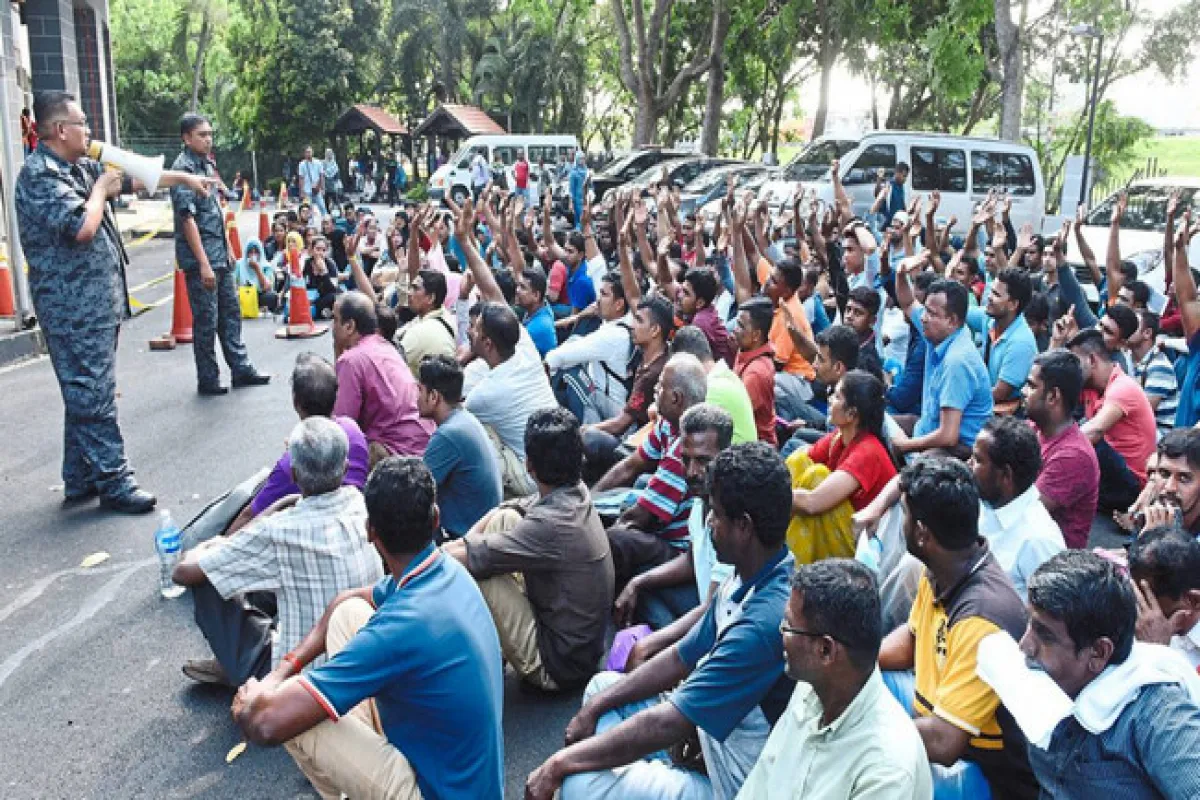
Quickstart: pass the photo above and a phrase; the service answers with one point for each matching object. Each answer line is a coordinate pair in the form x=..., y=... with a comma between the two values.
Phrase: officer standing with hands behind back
x=77, y=279
x=203, y=254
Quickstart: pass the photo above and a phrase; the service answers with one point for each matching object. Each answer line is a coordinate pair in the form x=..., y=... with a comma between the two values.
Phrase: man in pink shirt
x=375, y=387
x=1120, y=422
x=1069, y=482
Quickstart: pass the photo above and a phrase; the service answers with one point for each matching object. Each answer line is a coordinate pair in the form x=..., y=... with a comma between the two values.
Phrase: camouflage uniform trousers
x=217, y=315
x=85, y=363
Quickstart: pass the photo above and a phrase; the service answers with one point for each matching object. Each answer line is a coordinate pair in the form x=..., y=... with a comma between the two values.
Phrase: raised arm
x=1112, y=259
x=1185, y=285
x=590, y=248
x=1024, y=242
x=464, y=226
x=548, y=241
x=413, y=251
x=741, y=271
x=840, y=198
x=629, y=282
x=1085, y=250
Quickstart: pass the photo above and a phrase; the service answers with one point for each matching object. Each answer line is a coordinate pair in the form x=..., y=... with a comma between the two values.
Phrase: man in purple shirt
x=694, y=303
x=375, y=387
x=314, y=391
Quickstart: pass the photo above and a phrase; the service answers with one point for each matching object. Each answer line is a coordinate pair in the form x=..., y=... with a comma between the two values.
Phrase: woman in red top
x=858, y=459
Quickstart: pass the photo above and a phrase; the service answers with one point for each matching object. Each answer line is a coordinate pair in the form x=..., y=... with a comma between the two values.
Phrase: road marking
x=38, y=587
x=109, y=592
x=141, y=240
x=151, y=282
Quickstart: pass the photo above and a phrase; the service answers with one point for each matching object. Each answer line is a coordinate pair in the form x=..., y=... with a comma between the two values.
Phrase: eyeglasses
x=784, y=629
x=78, y=123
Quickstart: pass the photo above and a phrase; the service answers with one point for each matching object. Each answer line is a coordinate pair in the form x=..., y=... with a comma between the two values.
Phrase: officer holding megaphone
x=77, y=279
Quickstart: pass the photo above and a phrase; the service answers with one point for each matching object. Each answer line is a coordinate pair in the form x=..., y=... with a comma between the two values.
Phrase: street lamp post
x=1091, y=31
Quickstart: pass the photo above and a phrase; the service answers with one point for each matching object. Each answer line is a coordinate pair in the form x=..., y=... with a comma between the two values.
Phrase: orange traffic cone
x=264, y=224
x=281, y=199
x=300, y=322
x=235, y=237
x=247, y=201
x=8, y=306
x=181, y=318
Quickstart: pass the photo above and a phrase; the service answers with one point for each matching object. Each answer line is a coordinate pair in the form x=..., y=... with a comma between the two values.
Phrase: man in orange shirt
x=792, y=337
x=755, y=363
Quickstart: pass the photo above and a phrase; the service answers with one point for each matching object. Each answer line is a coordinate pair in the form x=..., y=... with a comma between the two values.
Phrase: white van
x=963, y=169
x=453, y=179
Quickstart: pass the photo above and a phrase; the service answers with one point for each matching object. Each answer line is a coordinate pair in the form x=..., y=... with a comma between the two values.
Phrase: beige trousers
x=513, y=615
x=352, y=756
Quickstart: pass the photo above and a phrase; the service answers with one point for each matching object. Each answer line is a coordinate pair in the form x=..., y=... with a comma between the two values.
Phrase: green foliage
x=152, y=90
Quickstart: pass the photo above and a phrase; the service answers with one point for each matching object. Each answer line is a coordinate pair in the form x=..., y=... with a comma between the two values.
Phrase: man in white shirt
x=589, y=372
x=514, y=387
x=1005, y=460
x=1165, y=565
x=481, y=173
x=843, y=735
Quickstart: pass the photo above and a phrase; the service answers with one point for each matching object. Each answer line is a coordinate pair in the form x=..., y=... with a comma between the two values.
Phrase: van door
x=859, y=180
x=943, y=169
x=1010, y=172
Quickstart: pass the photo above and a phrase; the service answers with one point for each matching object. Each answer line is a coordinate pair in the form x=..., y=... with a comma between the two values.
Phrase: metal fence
x=1103, y=189
x=270, y=164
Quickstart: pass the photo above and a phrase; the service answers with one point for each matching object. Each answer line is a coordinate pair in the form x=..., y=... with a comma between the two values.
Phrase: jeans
x=653, y=777
x=660, y=607
x=961, y=781
x=1119, y=487
x=792, y=394
x=318, y=200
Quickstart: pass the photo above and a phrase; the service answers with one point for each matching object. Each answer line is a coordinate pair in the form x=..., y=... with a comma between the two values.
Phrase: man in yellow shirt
x=975, y=747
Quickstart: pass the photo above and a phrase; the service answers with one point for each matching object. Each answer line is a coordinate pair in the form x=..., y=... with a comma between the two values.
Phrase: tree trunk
x=645, y=122
x=1012, y=78
x=710, y=134
x=828, y=56
x=201, y=52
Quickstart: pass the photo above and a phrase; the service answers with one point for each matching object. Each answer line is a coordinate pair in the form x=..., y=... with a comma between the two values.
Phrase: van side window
x=939, y=168
x=506, y=154
x=874, y=158
x=1011, y=171
x=466, y=162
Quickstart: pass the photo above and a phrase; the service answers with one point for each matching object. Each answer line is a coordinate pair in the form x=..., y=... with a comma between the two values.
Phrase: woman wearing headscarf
x=578, y=185
x=333, y=179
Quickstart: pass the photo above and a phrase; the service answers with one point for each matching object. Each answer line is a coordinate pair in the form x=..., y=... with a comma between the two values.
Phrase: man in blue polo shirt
x=1009, y=345
x=728, y=669
x=539, y=317
x=956, y=399
x=409, y=703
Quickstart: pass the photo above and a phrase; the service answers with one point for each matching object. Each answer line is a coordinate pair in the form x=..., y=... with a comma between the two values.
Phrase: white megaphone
x=146, y=169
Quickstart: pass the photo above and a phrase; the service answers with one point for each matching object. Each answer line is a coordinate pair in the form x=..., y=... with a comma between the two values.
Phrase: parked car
x=711, y=185
x=808, y=166
x=1141, y=236
x=708, y=213
x=627, y=167
x=453, y=179
x=679, y=171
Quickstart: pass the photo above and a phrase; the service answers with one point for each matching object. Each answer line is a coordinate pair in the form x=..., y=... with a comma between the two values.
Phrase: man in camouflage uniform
x=203, y=254
x=77, y=279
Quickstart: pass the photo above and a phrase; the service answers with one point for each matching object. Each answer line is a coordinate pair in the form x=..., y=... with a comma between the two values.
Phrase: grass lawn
x=1178, y=156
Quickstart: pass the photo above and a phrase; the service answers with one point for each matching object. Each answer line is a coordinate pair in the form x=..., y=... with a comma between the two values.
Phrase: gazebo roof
x=362, y=117
x=457, y=122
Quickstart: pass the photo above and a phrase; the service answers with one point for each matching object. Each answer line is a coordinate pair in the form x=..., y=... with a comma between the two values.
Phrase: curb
x=21, y=345
x=158, y=232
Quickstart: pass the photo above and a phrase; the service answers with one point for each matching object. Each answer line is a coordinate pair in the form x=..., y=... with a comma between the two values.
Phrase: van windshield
x=1147, y=209
x=812, y=164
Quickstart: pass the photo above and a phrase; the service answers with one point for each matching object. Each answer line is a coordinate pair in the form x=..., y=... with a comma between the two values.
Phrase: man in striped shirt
x=1154, y=372
x=654, y=528
x=304, y=554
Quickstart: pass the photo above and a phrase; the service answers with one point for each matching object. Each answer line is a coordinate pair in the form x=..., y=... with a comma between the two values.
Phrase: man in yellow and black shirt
x=964, y=596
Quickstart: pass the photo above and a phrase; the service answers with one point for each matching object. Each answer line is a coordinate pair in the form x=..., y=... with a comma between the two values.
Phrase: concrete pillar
x=52, y=50
x=11, y=160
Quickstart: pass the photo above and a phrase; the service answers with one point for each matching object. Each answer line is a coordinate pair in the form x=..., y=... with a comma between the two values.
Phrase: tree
x=641, y=72
x=710, y=133
x=1011, y=66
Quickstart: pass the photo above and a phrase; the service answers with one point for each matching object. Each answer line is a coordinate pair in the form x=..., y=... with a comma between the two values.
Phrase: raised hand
x=1173, y=204
x=1080, y=215
x=1119, y=208
x=983, y=213
x=935, y=200
x=1025, y=237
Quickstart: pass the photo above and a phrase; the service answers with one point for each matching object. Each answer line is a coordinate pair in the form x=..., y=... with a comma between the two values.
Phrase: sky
x=1146, y=95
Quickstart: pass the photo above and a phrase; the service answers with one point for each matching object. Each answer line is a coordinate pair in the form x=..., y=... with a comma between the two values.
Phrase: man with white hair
x=304, y=550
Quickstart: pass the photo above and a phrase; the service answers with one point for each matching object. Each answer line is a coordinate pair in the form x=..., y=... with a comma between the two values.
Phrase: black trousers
x=635, y=550
x=238, y=630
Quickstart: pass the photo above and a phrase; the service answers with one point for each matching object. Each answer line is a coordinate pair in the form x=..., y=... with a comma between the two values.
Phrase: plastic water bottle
x=167, y=540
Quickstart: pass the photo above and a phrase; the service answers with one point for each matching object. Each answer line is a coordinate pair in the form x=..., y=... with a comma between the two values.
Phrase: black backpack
x=631, y=370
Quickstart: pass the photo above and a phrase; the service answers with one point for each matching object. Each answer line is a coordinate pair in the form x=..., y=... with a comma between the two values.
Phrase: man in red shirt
x=1120, y=422
x=521, y=175
x=1069, y=482
x=755, y=363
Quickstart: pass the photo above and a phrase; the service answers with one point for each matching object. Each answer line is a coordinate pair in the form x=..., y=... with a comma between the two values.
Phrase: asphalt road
x=93, y=702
